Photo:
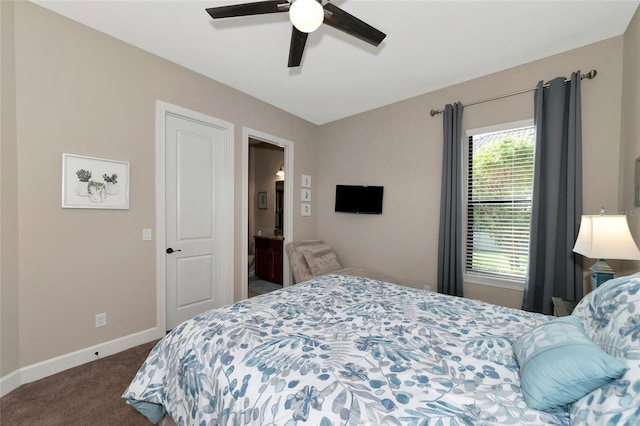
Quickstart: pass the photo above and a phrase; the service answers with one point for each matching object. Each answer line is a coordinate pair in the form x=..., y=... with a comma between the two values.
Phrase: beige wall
x=79, y=91
x=399, y=146
x=9, y=297
x=630, y=137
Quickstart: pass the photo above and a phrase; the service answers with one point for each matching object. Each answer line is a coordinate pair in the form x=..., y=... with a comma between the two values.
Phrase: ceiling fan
x=306, y=16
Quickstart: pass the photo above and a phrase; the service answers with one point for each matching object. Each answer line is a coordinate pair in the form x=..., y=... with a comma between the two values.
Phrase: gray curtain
x=450, y=235
x=554, y=270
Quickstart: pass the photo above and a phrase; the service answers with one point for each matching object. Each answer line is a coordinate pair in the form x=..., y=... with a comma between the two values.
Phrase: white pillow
x=321, y=259
x=298, y=263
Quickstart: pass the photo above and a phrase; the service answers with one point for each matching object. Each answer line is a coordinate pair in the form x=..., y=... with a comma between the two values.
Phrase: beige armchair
x=313, y=258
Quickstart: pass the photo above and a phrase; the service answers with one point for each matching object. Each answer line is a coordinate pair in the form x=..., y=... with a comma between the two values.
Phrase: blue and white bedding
x=342, y=350
x=611, y=318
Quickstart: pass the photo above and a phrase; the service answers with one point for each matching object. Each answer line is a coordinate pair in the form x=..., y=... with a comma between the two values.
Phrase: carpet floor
x=263, y=286
x=89, y=394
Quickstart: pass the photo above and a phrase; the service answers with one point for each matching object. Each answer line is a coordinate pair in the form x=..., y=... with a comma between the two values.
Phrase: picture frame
x=94, y=183
x=306, y=195
x=262, y=200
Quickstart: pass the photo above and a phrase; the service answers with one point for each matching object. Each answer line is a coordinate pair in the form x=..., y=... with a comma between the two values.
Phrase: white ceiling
x=429, y=45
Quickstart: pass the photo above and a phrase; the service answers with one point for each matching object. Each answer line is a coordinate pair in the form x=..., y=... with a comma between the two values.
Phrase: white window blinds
x=499, y=190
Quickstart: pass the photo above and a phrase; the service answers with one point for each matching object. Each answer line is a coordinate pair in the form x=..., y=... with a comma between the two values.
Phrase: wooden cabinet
x=269, y=259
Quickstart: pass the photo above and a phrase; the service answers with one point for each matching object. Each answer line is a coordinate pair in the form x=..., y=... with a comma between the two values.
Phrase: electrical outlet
x=427, y=287
x=101, y=320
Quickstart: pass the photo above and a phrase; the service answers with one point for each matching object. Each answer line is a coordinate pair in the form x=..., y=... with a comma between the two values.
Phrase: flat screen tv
x=359, y=199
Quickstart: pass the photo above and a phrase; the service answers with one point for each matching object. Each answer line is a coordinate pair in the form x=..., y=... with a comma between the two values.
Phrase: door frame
x=247, y=134
x=226, y=210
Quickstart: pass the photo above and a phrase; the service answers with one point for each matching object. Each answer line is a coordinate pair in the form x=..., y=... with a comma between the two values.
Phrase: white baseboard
x=9, y=382
x=64, y=362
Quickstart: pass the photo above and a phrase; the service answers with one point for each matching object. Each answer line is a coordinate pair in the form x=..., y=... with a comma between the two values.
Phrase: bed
x=340, y=349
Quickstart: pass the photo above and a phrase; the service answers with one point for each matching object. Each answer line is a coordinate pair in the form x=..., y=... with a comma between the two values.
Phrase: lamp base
x=600, y=273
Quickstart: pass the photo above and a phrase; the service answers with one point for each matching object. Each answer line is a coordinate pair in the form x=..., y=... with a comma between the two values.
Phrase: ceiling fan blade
x=341, y=20
x=245, y=9
x=298, y=41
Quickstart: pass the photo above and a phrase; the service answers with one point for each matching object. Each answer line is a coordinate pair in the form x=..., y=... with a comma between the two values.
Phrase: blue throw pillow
x=559, y=364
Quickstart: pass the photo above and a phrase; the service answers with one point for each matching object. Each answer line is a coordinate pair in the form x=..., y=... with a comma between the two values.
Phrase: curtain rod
x=591, y=74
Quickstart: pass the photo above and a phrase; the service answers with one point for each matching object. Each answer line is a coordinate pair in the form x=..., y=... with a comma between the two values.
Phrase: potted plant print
x=97, y=192
x=112, y=183
x=83, y=176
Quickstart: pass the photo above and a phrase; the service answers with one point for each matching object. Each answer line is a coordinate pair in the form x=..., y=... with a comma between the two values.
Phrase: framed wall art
x=262, y=200
x=94, y=183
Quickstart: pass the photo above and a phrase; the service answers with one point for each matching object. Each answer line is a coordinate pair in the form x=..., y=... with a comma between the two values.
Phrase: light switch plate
x=306, y=209
x=146, y=234
x=306, y=181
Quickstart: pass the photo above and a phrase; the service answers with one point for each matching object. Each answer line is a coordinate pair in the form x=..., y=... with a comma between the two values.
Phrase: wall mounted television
x=359, y=199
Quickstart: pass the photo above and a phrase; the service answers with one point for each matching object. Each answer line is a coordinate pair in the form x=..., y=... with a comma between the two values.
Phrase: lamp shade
x=606, y=237
x=306, y=15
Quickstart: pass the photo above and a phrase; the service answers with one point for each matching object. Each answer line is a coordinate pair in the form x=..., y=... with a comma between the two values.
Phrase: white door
x=194, y=225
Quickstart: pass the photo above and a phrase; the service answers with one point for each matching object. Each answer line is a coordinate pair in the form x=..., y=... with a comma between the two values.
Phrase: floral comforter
x=341, y=350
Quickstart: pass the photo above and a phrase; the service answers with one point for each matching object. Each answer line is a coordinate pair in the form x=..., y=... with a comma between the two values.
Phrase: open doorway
x=267, y=205
x=266, y=217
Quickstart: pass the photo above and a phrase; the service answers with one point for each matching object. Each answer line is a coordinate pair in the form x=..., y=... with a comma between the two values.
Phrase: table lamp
x=605, y=236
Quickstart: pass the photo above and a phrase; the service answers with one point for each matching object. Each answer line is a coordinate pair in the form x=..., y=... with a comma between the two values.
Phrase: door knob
x=170, y=250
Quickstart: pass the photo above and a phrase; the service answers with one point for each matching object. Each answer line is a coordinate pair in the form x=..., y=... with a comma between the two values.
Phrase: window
x=499, y=191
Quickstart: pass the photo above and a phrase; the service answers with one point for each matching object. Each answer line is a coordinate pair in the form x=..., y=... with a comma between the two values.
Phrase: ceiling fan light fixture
x=306, y=15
